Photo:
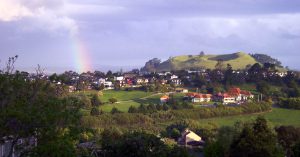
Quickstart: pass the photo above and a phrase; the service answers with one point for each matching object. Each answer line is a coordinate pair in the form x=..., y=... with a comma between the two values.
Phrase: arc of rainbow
x=82, y=56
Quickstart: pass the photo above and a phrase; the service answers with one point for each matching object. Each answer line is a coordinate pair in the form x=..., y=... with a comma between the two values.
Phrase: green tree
x=96, y=101
x=287, y=137
x=263, y=87
x=256, y=140
x=35, y=109
x=85, y=102
x=95, y=111
x=296, y=150
x=137, y=144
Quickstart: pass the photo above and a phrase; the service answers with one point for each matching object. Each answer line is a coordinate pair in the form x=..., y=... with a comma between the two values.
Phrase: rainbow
x=81, y=54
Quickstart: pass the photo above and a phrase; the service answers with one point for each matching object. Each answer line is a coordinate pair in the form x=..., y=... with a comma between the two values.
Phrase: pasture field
x=278, y=116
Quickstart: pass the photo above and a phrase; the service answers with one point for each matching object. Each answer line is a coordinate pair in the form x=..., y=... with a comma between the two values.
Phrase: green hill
x=237, y=60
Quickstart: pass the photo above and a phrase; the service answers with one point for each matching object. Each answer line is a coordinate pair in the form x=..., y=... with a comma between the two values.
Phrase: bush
x=112, y=100
x=142, y=108
x=291, y=103
x=165, y=107
x=84, y=101
x=95, y=100
x=132, y=109
x=139, y=144
x=114, y=110
x=95, y=111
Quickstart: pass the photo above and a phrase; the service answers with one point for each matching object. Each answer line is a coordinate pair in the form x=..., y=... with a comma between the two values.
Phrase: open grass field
x=146, y=100
x=278, y=116
x=124, y=95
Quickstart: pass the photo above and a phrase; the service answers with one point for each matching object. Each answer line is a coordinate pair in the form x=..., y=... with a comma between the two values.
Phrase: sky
x=91, y=35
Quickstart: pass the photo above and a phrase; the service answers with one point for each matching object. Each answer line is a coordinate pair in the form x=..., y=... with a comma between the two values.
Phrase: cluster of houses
x=233, y=95
x=136, y=80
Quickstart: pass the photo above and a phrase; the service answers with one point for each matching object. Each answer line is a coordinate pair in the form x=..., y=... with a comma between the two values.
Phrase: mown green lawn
x=124, y=105
x=278, y=116
x=124, y=95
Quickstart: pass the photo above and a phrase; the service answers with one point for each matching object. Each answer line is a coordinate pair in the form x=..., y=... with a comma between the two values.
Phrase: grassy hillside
x=237, y=60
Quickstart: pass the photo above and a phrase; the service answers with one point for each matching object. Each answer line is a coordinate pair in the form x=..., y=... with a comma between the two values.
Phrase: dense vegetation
x=37, y=110
x=292, y=103
x=254, y=139
x=263, y=58
x=148, y=120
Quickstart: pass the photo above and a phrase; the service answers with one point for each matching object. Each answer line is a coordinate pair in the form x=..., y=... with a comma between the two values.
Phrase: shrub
x=112, y=100
x=132, y=109
x=292, y=103
x=114, y=110
x=84, y=101
x=95, y=100
x=95, y=111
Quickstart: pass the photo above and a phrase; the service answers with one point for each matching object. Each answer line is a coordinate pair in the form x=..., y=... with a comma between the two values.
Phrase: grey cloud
x=129, y=32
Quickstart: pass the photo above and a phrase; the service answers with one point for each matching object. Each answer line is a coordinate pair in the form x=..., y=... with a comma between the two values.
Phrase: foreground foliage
x=36, y=109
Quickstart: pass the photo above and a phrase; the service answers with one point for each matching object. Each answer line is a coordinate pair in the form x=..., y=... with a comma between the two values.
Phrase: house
x=173, y=77
x=234, y=95
x=101, y=80
x=181, y=90
x=108, y=85
x=240, y=95
x=163, y=81
x=141, y=80
x=225, y=98
x=130, y=75
x=164, y=73
x=202, y=98
x=176, y=81
x=25, y=143
x=119, y=78
x=189, y=138
x=71, y=89
x=198, y=97
x=129, y=81
x=281, y=74
x=164, y=99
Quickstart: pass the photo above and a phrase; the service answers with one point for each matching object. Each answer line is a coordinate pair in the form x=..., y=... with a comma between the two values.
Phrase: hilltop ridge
x=238, y=60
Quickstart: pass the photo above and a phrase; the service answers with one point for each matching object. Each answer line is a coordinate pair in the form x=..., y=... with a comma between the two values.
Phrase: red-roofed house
x=234, y=95
x=164, y=99
x=202, y=98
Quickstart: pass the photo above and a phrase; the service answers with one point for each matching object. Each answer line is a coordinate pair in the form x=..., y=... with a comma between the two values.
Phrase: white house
x=174, y=77
x=202, y=98
x=176, y=81
x=119, y=78
x=108, y=85
x=188, y=137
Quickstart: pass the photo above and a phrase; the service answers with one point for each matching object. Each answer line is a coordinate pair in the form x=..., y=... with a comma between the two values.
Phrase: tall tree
x=256, y=140
x=33, y=109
